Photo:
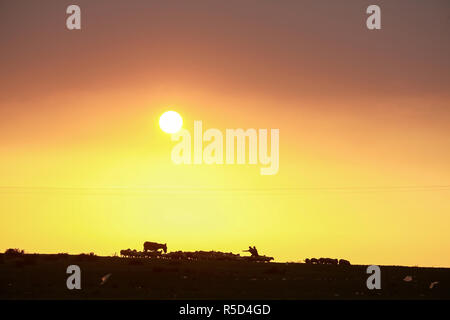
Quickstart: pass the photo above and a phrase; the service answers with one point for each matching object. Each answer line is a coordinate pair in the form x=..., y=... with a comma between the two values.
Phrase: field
x=44, y=277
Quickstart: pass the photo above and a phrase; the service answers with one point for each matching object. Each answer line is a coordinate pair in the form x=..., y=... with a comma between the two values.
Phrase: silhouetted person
x=253, y=251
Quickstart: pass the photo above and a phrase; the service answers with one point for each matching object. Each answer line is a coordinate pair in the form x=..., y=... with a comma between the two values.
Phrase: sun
x=170, y=122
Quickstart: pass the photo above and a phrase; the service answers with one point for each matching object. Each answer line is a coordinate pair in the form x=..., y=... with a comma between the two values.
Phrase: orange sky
x=84, y=166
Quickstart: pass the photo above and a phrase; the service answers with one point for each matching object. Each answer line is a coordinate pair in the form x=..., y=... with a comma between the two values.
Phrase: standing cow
x=343, y=262
x=153, y=246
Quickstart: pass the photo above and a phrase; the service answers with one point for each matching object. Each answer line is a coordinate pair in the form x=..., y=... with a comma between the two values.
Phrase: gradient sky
x=363, y=116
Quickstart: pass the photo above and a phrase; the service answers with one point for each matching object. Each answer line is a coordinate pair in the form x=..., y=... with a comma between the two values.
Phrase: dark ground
x=44, y=277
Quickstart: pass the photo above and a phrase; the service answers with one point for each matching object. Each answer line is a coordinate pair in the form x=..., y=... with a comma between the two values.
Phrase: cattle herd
x=341, y=262
x=128, y=253
x=192, y=255
x=159, y=251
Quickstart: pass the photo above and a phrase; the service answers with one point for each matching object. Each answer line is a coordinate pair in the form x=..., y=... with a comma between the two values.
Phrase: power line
x=155, y=190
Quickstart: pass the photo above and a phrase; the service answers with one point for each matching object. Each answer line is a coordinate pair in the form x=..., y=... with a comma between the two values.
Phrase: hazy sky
x=85, y=167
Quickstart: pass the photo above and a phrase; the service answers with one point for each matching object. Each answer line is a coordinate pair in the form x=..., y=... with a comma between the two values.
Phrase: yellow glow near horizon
x=170, y=122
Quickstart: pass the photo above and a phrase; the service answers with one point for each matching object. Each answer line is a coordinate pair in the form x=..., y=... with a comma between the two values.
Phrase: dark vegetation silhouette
x=91, y=256
x=209, y=275
x=14, y=252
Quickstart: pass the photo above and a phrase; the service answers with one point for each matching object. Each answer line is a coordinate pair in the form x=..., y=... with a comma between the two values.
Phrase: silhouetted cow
x=343, y=262
x=332, y=261
x=153, y=246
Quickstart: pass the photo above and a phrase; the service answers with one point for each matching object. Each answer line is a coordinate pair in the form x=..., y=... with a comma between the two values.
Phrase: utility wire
x=117, y=190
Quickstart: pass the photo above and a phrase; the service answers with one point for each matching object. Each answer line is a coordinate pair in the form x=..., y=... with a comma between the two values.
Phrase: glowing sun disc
x=170, y=122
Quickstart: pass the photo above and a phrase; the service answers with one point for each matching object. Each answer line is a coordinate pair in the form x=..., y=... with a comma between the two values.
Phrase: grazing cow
x=153, y=246
x=151, y=254
x=343, y=262
x=266, y=259
x=177, y=255
x=126, y=253
x=332, y=261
